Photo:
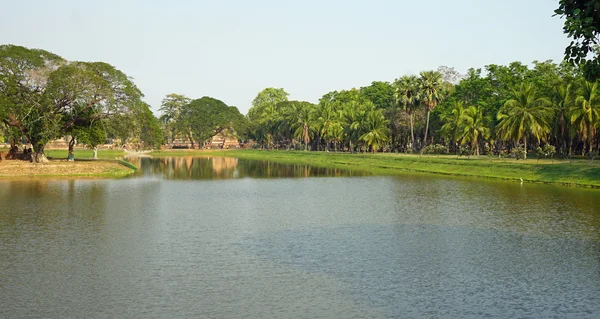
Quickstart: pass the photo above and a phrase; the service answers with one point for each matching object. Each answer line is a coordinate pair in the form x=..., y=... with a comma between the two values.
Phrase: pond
x=228, y=238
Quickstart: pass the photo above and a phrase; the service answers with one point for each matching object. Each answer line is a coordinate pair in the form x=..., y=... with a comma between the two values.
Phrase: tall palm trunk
x=525, y=143
x=412, y=130
x=426, y=128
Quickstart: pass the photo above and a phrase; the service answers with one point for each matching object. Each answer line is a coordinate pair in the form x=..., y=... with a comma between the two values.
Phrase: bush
x=464, y=150
x=435, y=149
x=592, y=155
x=518, y=152
x=547, y=152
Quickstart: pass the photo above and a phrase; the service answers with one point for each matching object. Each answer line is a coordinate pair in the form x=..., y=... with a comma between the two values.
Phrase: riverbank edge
x=578, y=173
x=127, y=170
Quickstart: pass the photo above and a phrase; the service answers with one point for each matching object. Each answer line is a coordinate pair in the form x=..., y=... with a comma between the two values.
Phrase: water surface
x=228, y=238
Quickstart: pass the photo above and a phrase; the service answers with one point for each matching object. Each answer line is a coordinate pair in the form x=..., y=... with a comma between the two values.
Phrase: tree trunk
x=71, y=153
x=525, y=143
x=191, y=139
x=39, y=157
x=95, y=156
x=590, y=138
x=412, y=131
x=426, y=128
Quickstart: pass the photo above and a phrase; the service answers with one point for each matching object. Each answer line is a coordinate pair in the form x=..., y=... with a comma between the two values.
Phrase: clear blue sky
x=231, y=50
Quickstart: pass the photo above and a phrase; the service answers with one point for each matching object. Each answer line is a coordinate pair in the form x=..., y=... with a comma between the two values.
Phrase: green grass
x=579, y=172
x=83, y=154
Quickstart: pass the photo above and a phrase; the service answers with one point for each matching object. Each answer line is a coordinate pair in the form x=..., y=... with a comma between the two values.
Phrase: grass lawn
x=578, y=172
x=83, y=154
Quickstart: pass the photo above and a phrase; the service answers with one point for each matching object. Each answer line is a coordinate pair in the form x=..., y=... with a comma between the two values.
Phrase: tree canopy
x=582, y=25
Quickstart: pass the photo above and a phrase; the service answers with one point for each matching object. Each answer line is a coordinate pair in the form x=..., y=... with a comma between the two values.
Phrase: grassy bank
x=62, y=168
x=109, y=164
x=576, y=173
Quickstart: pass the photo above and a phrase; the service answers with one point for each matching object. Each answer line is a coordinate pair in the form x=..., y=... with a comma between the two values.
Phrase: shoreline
x=578, y=173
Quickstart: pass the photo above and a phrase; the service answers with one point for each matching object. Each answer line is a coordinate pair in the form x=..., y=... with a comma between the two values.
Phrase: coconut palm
x=525, y=114
x=474, y=126
x=562, y=103
x=586, y=113
x=376, y=130
x=407, y=95
x=352, y=115
x=301, y=121
x=430, y=88
x=326, y=117
x=452, y=121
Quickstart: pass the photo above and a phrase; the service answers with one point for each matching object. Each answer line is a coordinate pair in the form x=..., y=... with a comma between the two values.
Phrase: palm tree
x=376, y=130
x=525, y=114
x=452, y=121
x=407, y=95
x=473, y=127
x=430, y=87
x=326, y=117
x=299, y=115
x=351, y=119
x=586, y=113
x=562, y=103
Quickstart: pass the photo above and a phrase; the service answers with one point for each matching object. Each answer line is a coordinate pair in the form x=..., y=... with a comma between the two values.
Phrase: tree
x=380, y=93
x=453, y=120
x=266, y=113
x=407, y=95
x=267, y=98
x=376, y=130
x=430, y=87
x=562, y=104
x=582, y=25
x=46, y=97
x=300, y=117
x=586, y=113
x=207, y=117
x=326, y=118
x=474, y=127
x=524, y=114
x=23, y=79
x=92, y=135
x=171, y=114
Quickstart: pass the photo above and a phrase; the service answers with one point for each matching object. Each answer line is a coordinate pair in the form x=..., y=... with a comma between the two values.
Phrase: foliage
x=45, y=97
x=435, y=149
x=380, y=93
x=582, y=25
x=547, y=151
x=525, y=114
x=519, y=152
x=171, y=107
x=207, y=117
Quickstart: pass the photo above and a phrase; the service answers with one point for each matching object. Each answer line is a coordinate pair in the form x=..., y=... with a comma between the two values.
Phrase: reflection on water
x=226, y=238
x=214, y=168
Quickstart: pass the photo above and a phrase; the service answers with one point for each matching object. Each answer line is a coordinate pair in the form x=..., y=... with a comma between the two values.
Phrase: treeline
x=504, y=109
x=45, y=97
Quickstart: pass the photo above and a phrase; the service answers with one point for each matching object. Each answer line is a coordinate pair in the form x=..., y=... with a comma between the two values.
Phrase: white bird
x=521, y=180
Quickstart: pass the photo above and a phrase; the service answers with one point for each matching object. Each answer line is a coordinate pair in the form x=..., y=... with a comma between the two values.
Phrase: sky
x=231, y=50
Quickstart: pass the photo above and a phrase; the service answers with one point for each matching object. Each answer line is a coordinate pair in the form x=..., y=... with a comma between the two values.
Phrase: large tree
x=585, y=114
x=431, y=92
x=582, y=25
x=45, y=97
x=171, y=107
x=525, y=114
x=375, y=130
x=208, y=116
x=474, y=127
x=407, y=95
